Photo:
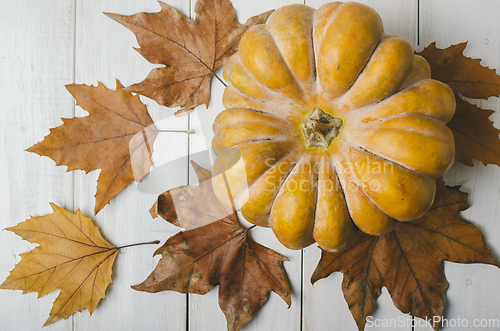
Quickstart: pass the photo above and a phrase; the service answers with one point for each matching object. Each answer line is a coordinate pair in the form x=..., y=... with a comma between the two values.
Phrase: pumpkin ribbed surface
x=330, y=127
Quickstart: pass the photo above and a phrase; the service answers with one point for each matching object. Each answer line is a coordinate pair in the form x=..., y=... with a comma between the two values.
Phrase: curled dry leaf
x=475, y=136
x=72, y=257
x=117, y=137
x=191, y=50
x=409, y=260
x=191, y=206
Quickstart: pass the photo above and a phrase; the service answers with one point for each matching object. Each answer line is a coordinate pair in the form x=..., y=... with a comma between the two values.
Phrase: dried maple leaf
x=218, y=253
x=117, y=137
x=72, y=257
x=463, y=74
x=191, y=206
x=475, y=136
x=409, y=260
x=191, y=50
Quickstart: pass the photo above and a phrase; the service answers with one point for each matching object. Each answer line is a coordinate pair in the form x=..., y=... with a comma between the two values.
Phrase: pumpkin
x=330, y=127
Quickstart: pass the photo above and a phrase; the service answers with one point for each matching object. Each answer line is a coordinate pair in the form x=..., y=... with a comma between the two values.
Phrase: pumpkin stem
x=320, y=128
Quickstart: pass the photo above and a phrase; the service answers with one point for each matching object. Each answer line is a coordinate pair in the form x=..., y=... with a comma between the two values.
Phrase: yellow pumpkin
x=330, y=127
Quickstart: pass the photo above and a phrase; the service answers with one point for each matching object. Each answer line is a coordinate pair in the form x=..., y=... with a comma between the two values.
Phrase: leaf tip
x=153, y=211
x=137, y=287
x=184, y=111
x=54, y=206
x=113, y=16
x=51, y=320
x=119, y=85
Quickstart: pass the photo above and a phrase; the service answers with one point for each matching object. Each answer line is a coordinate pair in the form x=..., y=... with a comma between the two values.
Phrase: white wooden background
x=47, y=44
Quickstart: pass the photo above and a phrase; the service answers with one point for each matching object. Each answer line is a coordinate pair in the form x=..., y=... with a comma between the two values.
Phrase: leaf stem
x=155, y=242
x=220, y=79
x=250, y=228
x=190, y=131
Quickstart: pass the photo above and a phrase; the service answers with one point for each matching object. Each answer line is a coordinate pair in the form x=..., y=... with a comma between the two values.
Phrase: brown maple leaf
x=215, y=252
x=475, y=136
x=463, y=74
x=72, y=257
x=117, y=137
x=409, y=260
x=191, y=50
x=191, y=206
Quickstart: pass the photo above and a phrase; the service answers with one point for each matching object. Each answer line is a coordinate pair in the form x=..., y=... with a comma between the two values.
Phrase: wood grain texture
x=474, y=292
x=104, y=52
x=274, y=315
x=56, y=42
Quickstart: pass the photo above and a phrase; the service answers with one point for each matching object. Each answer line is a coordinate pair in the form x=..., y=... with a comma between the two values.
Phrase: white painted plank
x=474, y=292
x=204, y=311
x=36, y=63
x=104, y=52
x=324, y=303
x=36, y=60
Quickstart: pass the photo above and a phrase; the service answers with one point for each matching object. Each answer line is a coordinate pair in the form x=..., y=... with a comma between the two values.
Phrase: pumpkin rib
x=355, y=180
x=359, y=74
x=239, y=172
x=272, y=94
x=279, y=225
x=360, y=115
x=389, y=224
x=330, y=232
x=333, y=86
x=238, y=116
x=385, y=119
x=220, y=150
x=260, y=55
x=393, y=222
x=359, y=146
x=391, y=48
x=361, y=71
x=279, y=47
x=267, y=107
x=303, y=93
x=318, y=41
x=260, y=140
x=276, y=165
x=422, y=204
x=419, y=69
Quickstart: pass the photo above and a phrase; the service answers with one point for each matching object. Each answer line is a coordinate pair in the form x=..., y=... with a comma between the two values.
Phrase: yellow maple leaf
x=72, y=257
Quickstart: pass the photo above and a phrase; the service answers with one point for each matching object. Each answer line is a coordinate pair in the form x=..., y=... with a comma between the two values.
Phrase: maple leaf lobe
x=474, y=133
